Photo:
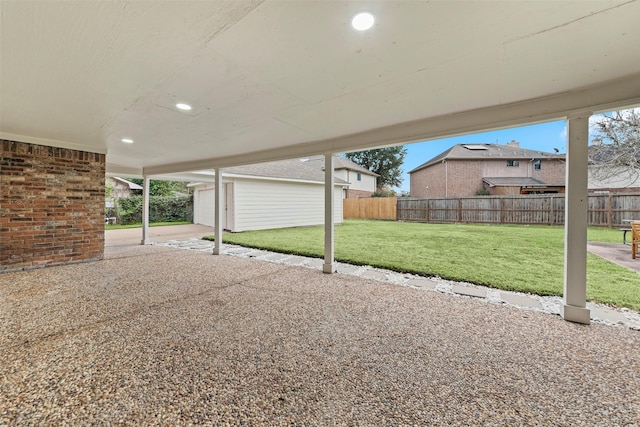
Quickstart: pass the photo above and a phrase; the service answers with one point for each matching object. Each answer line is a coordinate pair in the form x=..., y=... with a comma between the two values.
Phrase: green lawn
x=520, y=258
x=139, y=225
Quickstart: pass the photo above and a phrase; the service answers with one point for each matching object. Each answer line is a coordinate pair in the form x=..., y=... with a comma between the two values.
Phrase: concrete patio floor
x=158, y=335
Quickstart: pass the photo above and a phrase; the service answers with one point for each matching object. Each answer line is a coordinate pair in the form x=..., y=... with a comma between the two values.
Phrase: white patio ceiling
x=276, y=79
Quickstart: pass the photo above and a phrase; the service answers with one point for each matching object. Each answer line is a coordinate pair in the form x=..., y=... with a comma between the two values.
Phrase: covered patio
x=166, y=89
x=154, y=335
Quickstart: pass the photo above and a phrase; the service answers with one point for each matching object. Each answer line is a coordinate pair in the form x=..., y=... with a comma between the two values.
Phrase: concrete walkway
x=616, y=253
x=189, y=237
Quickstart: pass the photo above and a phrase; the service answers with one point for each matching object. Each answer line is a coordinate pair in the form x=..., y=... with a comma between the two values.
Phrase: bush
x=161, y=209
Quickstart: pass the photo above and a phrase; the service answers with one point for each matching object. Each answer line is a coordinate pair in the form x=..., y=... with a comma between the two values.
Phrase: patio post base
x=575, y=314
x=328, y=268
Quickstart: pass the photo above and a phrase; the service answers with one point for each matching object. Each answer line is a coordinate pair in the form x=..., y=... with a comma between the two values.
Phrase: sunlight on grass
x=519, y=258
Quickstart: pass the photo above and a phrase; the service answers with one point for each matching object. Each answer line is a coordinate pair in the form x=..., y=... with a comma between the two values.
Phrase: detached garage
x=281, y=194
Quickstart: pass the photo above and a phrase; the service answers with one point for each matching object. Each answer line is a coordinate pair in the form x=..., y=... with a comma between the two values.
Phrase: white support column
x=145, y=211
x=575, y=221
x=328, y=266
x=219, y=203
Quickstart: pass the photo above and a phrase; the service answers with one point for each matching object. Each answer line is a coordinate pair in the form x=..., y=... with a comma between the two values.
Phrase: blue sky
x=543, y=137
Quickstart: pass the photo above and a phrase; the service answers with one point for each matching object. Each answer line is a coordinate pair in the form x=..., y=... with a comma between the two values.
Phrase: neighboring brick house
x=470, y=169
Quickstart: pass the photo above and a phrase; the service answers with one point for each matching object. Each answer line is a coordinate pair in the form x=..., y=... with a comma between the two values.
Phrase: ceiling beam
x=615, y=94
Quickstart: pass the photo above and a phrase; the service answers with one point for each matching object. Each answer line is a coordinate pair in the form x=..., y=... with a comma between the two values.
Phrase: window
x=537, y=164
x=513, y=163
x=359, y=176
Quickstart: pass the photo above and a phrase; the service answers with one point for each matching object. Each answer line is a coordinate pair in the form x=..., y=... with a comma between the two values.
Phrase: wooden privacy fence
x=606, y=210
x=370, y=208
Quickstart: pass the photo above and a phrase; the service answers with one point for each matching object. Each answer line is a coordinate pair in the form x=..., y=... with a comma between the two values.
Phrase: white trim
x=329, y=202
x=116, y=170
x=575, y=221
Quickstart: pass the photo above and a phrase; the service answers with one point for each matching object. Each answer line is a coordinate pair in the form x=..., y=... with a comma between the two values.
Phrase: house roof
x=294, y=169
x=132, y=185
x=344, y=163
x=616, y=177
x=514, y=182
x=487, y=151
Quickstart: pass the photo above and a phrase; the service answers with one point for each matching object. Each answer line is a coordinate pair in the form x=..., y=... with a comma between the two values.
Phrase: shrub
x=161, y=209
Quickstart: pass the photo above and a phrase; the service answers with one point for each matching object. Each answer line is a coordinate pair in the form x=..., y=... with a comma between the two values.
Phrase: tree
x=615, y=150
x=385, y=162
x=159, y=187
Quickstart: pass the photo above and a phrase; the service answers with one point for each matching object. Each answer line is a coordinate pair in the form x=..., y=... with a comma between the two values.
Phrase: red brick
x=51, y=200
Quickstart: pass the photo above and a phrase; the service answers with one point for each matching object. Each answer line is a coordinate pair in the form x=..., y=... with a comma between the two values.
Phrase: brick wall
x=453, y=178
x=51, y=206
x=355, y=194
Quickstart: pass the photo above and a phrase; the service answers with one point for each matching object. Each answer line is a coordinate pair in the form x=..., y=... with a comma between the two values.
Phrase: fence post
x=427, y=213
x=610, y=211
x=460, y=210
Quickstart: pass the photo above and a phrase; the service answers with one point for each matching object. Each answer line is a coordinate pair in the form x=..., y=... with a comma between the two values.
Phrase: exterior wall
x=451, y=178
x=552, y=172
x=357, y=194
x=120, y=189
x=363, y=188
x=504, y=191
x=51, y=206
x=264, y=204
x=456, y=178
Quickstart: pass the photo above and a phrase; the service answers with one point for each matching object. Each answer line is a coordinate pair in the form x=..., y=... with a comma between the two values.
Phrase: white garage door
x=205, y=207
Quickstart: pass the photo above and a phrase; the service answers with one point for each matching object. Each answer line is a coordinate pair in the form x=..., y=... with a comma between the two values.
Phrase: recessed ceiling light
x=127, y=140
x=183, y=107
x=363, y=21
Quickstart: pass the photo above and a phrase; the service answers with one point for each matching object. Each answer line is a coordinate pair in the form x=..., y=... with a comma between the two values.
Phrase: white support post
x=328, y=266
x=575, y=221
x=219, y=203
x=145, y=211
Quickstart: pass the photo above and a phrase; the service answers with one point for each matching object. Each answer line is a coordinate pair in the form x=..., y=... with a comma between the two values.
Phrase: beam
x=615, y=94
x=575, y=221
x=329, y=201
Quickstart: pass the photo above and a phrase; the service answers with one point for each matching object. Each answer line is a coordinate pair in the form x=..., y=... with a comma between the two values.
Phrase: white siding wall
x=368, y=182
x=263, y=204
x=276, y=204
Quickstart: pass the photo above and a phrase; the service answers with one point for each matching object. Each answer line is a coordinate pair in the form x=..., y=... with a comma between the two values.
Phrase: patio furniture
x=635, y=238
x=625, y=229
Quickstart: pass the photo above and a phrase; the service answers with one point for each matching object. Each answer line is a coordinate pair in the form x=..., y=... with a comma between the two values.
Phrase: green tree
x=159, y=187
x=386, y=162
x=615, y=151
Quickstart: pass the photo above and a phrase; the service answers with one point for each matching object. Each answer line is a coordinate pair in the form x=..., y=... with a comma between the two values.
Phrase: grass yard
x=518, y=258
x=139, y=225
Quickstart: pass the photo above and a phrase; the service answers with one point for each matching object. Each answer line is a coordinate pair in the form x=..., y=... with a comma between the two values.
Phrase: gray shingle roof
x=307, y=170
x=514, y=182
x=487, y=152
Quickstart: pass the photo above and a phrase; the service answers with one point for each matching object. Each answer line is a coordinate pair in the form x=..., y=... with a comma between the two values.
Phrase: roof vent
x=513, y=143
